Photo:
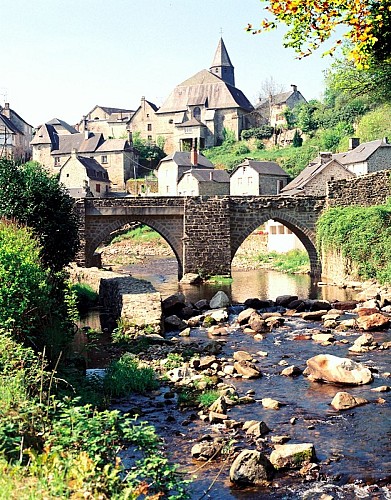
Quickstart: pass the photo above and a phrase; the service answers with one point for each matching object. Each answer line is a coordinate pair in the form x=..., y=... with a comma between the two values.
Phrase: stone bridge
x=203, y=232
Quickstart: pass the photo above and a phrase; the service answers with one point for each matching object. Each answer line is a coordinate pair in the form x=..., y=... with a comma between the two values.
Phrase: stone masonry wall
x=207, y=236
x=365, y=190
x=136, y=301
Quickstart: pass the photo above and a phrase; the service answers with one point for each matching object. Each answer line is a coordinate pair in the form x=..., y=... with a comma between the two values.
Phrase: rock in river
x=251, y=467
x=292, y=455
x=345, y=401
x=329, y=368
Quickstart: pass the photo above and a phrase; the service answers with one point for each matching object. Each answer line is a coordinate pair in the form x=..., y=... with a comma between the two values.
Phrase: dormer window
x=197, y=113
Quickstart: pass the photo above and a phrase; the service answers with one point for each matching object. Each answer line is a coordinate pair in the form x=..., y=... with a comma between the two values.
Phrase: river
x=353, y=447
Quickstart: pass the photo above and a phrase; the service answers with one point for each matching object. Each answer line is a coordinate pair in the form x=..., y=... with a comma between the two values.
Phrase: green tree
x=150, y=153
x=31, y=196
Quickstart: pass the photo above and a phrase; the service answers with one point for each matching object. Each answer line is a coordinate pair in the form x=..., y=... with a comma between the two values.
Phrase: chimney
x=73, y=153
x=211, y=175
x=325, y=157
x=294, y=88
x=6, y=110
x=194, y=157
x=385, y=140
x=354, y=142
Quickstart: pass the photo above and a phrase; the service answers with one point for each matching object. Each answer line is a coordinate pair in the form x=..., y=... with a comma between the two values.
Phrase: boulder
x=256, y=323
x=244, y=316
x=251, y=467
x=247, y=369
x=363, y=343
x=317, y=305
x=217, y=315
x=258, y=304
x=314, y=315
x=332, y=369
x=346, y=305
x=345, y=401
x=366, y=311
x=323, y=337
x=292, y=371
x=202, y=304
x=219, y=406
x=217, y=330
x=205, y=450
x=291, y=456
x=270, y=404
x=173, y=304
x=255, y=428
x=375, y=321
x=174, y=323
x=242, y=356
x=220, y=299
x=284, y=300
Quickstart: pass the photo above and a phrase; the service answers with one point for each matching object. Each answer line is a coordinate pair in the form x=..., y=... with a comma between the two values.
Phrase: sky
x=61, y=58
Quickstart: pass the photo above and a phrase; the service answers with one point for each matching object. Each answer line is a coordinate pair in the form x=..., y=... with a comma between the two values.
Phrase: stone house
x=367, y=157
x=270, y=110
x=172, y=167
x=117, y=156
x=257, y=178
x=15, y=135
x=111, y=122
x=203, y=182
x=84, y=177
x=314, y=178
x=143, y=121
x=201, y=107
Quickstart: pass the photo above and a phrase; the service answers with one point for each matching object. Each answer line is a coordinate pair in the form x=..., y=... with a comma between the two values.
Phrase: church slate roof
x=57, y=121
x=94, y=170
x=221, y=57
x=205, y=88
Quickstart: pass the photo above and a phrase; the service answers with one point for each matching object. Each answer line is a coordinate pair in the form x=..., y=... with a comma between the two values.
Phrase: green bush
x=294, y=261
x=363, y=234
x=129, y=375
x=25, y=292
x=86, y=297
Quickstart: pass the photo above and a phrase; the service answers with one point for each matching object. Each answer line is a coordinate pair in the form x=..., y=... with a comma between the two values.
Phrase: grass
x=128, y=375
x=293, y=262
x=140, y=234
x=224, y=280
x=205, y=399
x=86, y=297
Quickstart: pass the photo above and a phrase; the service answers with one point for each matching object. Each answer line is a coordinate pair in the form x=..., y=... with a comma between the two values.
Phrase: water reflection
x=261, y=283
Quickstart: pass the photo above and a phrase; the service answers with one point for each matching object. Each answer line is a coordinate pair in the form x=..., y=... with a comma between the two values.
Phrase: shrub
x=86, y=297
x=205, y=399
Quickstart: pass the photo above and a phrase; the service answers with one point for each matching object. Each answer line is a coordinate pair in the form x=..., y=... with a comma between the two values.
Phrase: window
x=188, y=130
x=280, y=185
x=57, y=161
x=97, y=188
x=170, y=120
x=147, y=115
x=104, y=158
x=149, y=138
x=149, y=127
x=67, y=175
x=197, y=113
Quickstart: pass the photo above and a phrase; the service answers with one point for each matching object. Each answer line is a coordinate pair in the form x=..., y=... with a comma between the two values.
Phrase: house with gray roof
x=117, y=156
x=84, y=177
x=15, y=135
x=203, y=182
x=270, y=110
x=366, y=157
x=199, y=109
x=257, y=178
x=314, y=178
x=171, y=168
x=112, y=123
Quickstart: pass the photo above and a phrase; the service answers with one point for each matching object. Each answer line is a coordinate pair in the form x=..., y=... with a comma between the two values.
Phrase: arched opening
x=274, y=257
x=135, y=246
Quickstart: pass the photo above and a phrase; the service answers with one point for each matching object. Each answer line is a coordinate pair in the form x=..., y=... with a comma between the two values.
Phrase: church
x=198, y=111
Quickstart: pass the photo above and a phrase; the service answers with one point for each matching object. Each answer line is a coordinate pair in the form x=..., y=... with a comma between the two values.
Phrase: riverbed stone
x=173, y=304
x=216, y=418
x=292, y=456
x=244, y=316
x=256, y=323
x=363, y=343
x=284, y=300
x=270, y=404
x=291, y=371
x=258, y=303
x=323, y=337
x=332, y=369
x=382, y=388
x=219, y=406
x=251, y=467
x=247, y=369
x=217, y=330
x=345, y=305
x=202, y=304
x=217, y=315
x=256, y=428
x=375, y=321
x=174, y=323
x=191, y=279
x=242, y=356
x=344, y=401
x=317, y=305
x=219, y=300
x=314, y=315
x=206, y=450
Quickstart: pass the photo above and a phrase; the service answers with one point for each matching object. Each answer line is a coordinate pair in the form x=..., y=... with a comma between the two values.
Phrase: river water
x=353, y=447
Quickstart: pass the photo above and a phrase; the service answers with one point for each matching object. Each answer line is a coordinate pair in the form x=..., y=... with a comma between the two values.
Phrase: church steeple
x=222, y=66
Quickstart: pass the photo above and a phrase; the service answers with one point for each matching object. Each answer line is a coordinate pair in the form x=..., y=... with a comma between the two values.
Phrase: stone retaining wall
x=365, y=190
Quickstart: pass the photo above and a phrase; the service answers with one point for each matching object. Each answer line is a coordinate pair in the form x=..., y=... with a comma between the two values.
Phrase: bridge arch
x=104, y=228
x=305, y=234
